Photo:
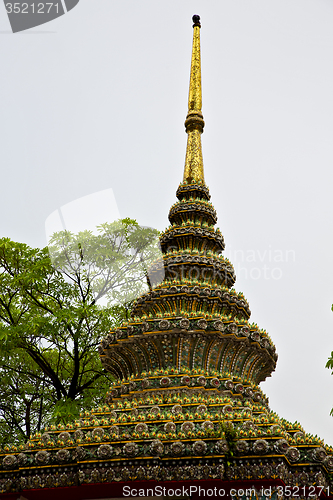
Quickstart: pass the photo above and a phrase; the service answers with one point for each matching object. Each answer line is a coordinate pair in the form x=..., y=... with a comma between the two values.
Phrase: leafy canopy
x=55, y=306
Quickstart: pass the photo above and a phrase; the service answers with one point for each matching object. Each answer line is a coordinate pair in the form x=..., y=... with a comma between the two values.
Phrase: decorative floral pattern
x=145, y=326
x=114, y=429
x=202, y=381
x=239, y=388
x=281, y=446
x=218, y=325
x=267, y=471
x=156, y=447
x=109, y=338
x=202, y=324
x=319, y=454
x=155, y=410
x=255, y=336
x=80, y=452
x=215, y=382
x=23, y=483
x=170, y=427
x=241, y=446
x=329, y=463
x=248, y=425
x=78, y=434
x=164, y=324
x=176, y=409
x=145, y=383
x=177, y=448
x=46, y=437
x=187, y=427
x=64, y=436
x=232, y=327
x=165, y=382
x=257, y=396
x=140, y=428
x=228, y=384
x=208, y=425
x=222, y=446
x=130, y=449
x=193, y=440
x=303, y=479
x=202, y=409
x=249, y=392
x=293, y=454
x=140, y=473
x=260, y=446
x=104, y=451
x=63, y=455
x=245, y=331
x=42, y=457
x=22, y=459
x=185, y=380
x=264, y=343
x=184, y=323
x=118, y=334
x=125, y=474
x=110, y=475
x=319, y=478
x=9, y=461
x=98, y=432
x=199, y=448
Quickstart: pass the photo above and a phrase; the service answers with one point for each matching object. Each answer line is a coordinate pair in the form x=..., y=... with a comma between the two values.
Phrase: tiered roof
x=186, y=403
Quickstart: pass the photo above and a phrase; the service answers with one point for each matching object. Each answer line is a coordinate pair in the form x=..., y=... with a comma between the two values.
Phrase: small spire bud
x=196, y=21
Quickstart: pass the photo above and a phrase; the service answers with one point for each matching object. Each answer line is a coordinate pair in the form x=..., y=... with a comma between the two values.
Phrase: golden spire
x=194, y=123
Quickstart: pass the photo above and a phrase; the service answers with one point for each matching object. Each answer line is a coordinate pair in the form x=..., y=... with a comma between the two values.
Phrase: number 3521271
x=32, y=8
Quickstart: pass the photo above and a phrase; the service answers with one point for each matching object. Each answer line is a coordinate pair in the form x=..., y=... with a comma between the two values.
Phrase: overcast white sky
x=97, y=99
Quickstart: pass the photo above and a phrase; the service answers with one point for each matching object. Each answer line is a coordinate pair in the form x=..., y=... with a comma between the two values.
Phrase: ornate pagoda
x=185, y=411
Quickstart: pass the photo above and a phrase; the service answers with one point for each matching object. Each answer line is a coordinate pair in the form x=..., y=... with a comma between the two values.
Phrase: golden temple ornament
x=194, y=123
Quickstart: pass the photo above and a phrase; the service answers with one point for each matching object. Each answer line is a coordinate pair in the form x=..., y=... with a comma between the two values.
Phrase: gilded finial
x=194, y=123
x=196, y=21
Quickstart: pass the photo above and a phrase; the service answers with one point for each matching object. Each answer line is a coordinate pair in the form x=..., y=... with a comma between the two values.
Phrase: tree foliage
x=329, y=365
x=55, y=305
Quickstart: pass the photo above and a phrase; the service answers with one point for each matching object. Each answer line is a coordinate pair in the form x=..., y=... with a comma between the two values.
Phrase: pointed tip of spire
x=194, y=122
x=196, y=20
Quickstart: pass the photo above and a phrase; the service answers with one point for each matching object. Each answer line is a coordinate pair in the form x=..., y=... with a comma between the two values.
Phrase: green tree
x=329, y=365
x=55, y=306
x=24, y=396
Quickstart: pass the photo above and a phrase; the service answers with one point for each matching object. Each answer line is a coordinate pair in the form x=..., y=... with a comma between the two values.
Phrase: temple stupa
x=185, y=409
